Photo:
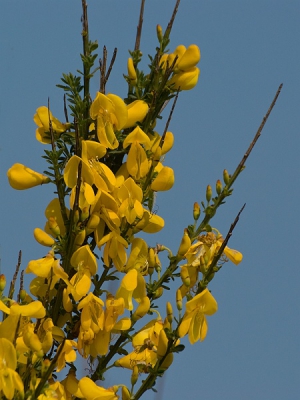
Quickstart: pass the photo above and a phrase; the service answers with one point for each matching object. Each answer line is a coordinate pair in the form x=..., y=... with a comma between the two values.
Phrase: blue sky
x=248, y=48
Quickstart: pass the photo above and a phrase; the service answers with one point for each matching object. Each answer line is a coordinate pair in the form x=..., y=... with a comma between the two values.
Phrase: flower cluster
x=107, y=167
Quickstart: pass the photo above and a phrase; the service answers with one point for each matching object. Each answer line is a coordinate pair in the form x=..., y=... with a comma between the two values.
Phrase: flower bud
x=159, y=33
x=21, y=177
x=131, y=71
x=219, y=186
x=22, y=294
x=184, y=274
x=184, y=245
x=179, y=300
x=196, y=211
x=208, y=193
x=169, y=312
x=151, y=261
x=226, y=177
x=134, y=375
x=2, y=282
x=162, y=346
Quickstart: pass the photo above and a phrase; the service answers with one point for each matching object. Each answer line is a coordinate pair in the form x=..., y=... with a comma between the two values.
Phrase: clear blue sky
x=248, y=48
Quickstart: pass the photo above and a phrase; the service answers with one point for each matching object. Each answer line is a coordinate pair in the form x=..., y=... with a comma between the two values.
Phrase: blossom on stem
x=42, y=118
x=194, y=320
x=10, y=380
x=21, y=177
x=137, y=161
x=137, y=111
x=91, y=391
x=111, y=115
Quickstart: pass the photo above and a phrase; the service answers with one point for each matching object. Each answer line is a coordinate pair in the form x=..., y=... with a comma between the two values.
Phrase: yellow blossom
x=91, y=391
x=42, y=118
x=10, y=380
x=43, y=238
x=164, y=180
x=137, y=111
x=194, y=320
x=86, y=194
x=66, y=354
x=34, y=309
x=137, y=160
x=111, y=115
x=21, y=177
x=130, y=196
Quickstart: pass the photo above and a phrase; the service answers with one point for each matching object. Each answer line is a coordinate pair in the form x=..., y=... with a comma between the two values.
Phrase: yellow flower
x=130, y=196
x=132, y=285
x=92, y=314
x=21, y=177
x=34, y=309
x=137, y=160
x=194, y=321
x=111, y=115
x=41, y=118
x=186, y=73
x=10, y=380
x=91, y=391
x=67, y=354
x=137, y=111
x=145, y=343
x=114, y=250
x=43, y=238
x=41, y=267
x=54, y=219
x=150, y=223
x=86, y=195
x=164, y=180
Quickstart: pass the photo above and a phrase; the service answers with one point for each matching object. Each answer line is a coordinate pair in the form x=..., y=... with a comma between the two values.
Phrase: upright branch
x=139, y=27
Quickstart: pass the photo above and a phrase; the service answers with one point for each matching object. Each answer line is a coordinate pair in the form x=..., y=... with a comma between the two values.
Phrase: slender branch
x=86, y=69
x=240, y=167
x=13, y=282
x=169, y=120
x=170, y=24
x=139, y=27
x=112, y=61
x=102, y=64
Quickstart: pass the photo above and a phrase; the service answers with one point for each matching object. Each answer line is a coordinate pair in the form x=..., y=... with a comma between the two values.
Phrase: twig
x=170, y=24
x=112, y=61
x=169, y=120
x=102, y=64
x=238, y=170
x=258, y=133
x=139, y=27
x=13, y=282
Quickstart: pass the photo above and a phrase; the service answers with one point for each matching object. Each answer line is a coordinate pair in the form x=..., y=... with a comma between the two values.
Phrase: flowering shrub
x=107, y=166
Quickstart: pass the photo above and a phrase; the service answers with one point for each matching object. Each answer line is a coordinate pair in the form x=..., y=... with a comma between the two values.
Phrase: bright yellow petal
x=137, y=111
x=21, y=177
x=164, y=180
x=233, y=255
